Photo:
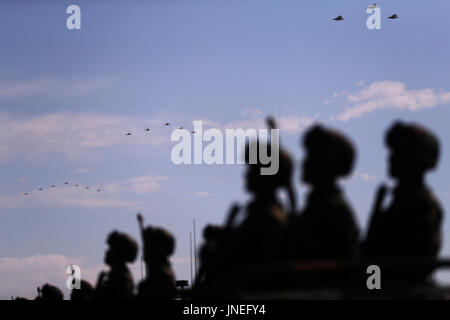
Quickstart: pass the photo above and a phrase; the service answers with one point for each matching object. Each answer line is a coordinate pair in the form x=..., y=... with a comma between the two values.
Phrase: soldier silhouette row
x=118, y=284
x=325, y=229
x=266, y=230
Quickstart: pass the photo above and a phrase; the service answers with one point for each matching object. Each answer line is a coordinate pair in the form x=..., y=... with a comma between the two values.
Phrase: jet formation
x=66, y=183
x=373, y=6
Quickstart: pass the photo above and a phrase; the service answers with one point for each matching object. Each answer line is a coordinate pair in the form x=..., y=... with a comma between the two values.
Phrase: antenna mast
x=195, y=253
x=190, y=252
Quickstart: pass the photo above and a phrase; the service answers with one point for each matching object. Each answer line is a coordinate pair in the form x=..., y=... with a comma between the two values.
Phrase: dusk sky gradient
x=68, y=97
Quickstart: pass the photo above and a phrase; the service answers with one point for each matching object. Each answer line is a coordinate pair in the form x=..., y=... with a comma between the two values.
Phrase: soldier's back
x=160, y=285
x=326, y=229
x=259, y=237
x=117, y=284
x=411, y=225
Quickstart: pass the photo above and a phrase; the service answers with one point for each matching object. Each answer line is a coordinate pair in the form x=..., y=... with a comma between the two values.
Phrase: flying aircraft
x=339, y=18
x=394, y=16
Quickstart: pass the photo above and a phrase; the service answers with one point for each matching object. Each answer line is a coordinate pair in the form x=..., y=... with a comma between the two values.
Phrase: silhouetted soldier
x=21, y=299
x=160, y=283
x=326, y=229
x=259, y=238
x=49, y=292
x=85, y=292
x=211, y=260
x=118, y=282
x=410, y=227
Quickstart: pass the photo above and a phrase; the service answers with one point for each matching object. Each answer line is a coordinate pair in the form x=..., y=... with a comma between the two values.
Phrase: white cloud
x=73, y=134
x=368, y=177
x=138, y=185
x=356, y=175
x=180, y=260
x=203, y=194
x=55, y=86
x=63, y=197
x=78, y=135
x=95, y=202
x=391, y=94
x=83, y=170
x=70, y=195
x=8, y=90
x=291, y=124
x=336, y=95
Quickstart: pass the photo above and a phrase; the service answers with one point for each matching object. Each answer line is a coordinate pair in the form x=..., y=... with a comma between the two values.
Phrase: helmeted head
x=122, y=249
x=159, y=244
x=329, y=155
x=413, y=150
x=212, y=232
x=50, y=292
x=259, y=183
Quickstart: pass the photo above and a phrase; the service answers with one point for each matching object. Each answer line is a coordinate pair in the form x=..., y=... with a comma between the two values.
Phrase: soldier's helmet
x=255, y=179
x=50, y=292
x=123, y=245
x=328, y=152
x=159, y=242
x=212, y=232
x=415, y=145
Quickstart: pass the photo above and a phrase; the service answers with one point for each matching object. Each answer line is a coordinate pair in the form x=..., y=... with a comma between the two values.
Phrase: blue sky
x=67, y=97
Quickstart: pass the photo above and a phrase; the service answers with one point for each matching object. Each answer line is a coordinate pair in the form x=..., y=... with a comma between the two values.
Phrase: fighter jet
x=148, y=129
x=394, y=16
x=87, y=187
x=128, y=134
x=53, y=186
x=26, y=193
x=66, y=183
x=98, y=190
x=374, y=6
x=76, y=185
x=40, y=189
x=339, y=18
x=167, y=124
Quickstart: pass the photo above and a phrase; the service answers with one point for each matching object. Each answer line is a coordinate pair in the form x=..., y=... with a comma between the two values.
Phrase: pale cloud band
x=20, y=276
x=393, y=95
x=55, y=86
x=75, y=134
x=81, y=197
